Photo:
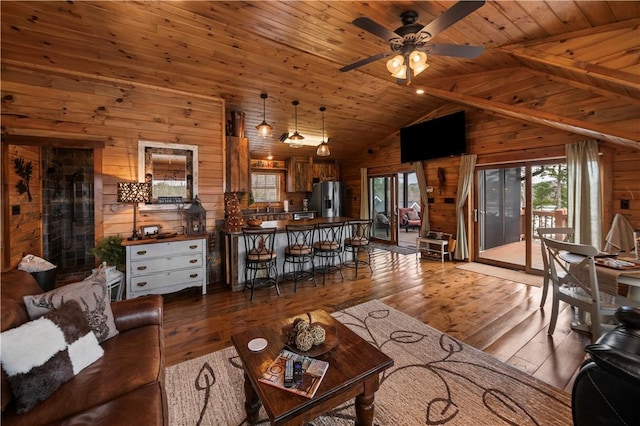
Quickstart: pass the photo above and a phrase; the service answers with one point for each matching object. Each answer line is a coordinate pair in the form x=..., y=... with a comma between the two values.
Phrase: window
x=265, y=187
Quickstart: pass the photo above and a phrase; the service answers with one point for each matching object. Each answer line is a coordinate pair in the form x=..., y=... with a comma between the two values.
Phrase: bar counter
x=234, y=252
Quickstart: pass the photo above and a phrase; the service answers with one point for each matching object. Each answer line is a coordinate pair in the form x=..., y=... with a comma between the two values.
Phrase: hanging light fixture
x=264, y=128
x=296, y=137
x=323, y=149
x=407, y=66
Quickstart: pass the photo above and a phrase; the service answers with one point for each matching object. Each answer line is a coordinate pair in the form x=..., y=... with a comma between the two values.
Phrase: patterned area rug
x=504, y=273
x=392, y=248
x=436, y=380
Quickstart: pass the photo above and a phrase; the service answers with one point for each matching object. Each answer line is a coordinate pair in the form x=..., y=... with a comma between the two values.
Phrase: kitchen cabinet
x=324, y=170
x=299, y=174
x=238, y=169
x=160, y=266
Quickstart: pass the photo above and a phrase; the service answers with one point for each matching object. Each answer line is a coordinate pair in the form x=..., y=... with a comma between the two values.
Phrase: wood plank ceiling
x=572, y=65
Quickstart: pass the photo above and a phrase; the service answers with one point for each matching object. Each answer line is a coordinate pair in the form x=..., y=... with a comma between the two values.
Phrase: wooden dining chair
x=575, y=281
x=560, y=234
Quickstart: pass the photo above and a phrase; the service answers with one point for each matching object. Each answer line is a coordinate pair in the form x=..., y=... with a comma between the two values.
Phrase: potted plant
x=110, y=251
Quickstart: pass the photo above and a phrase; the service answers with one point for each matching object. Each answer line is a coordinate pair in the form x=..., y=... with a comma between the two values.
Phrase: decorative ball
x=300, y=324
x=290, y=337
x=304, y=340
x=318, y=333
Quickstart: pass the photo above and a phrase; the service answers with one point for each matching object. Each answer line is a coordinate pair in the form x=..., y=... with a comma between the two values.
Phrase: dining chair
x=260, y=263
x=560, y=234
x=358, y=242
x=299, y=252
x=575, y=281
x=327, y=248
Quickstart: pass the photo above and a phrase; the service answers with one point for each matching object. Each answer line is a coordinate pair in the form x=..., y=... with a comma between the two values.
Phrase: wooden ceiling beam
x=597, y=131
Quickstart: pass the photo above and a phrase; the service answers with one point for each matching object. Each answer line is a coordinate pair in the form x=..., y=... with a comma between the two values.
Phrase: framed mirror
x=171, y=170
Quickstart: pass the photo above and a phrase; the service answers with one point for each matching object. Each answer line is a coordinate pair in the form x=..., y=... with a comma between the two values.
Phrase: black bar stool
x=260, y=256
x=299, y=252
x=357, y=242
x=327, y=248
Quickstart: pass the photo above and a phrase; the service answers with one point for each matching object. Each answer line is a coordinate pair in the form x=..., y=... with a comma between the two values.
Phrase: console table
x=159, y=266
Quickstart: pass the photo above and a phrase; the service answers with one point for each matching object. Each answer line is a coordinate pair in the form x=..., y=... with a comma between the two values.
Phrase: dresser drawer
x=166, y=263
x=153, y=283
x=146, y=251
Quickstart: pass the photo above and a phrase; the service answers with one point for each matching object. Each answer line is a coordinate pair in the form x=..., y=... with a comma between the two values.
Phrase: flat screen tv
x=441, y=137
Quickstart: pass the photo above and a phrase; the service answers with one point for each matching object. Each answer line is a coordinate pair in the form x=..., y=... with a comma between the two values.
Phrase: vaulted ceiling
x=572, y=65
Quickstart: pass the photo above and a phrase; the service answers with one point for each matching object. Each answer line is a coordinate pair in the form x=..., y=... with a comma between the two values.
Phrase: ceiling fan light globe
x=395, y=64
x=417, y=59
x=418, y=70
x=401, y=73
x=264, y=129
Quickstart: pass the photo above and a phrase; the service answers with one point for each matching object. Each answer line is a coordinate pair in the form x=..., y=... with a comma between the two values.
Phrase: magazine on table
x=313, y=373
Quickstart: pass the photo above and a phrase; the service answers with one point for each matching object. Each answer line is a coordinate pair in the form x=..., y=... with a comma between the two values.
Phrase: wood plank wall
x=24, y=226
x=45, y=103
x=496, y=139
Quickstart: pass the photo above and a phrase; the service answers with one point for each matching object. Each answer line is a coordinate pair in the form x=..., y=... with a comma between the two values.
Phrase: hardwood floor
x=500, y=317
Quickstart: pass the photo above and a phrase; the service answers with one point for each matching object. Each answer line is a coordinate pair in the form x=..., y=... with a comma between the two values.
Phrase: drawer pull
x=194, y=246
x=141, y=268
x=193, y=275
x=142, y=284
x=141, y=252
x=193, y=261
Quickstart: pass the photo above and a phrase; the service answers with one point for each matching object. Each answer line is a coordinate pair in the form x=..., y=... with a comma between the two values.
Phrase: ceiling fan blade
x=459, y=50
x=374, y=28
x=365, y=61
x=451, y=16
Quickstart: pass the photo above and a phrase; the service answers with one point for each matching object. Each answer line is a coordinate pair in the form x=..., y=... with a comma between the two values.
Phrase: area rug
x=436, y=380
x=393, y=248
x=504, y=273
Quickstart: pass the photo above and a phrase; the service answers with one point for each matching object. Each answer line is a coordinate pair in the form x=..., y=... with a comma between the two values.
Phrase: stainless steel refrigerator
x=327, y=198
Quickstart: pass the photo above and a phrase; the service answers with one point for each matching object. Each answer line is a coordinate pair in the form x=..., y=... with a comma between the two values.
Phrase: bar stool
x=299, y=252
x=357, y=242
x=328, y=247
x=260, y=257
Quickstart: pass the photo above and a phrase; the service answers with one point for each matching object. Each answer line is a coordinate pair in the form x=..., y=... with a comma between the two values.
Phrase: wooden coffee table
x=354, y=368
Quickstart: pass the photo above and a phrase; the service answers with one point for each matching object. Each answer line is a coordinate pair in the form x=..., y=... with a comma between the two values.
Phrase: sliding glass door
x=512, y=202
x=383, y=202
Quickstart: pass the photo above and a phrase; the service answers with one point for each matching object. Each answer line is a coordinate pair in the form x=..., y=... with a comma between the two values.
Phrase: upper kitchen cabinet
x=324, y=170
x=299, y=174
x=238, y=160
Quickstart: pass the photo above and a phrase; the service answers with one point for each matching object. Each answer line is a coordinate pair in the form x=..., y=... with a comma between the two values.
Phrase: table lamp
x=134, y=192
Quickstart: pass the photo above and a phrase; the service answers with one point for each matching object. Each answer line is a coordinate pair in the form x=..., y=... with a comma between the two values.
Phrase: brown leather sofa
x=125, y=386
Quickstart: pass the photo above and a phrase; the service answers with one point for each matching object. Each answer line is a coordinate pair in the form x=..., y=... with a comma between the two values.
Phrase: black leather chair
x=607, y=388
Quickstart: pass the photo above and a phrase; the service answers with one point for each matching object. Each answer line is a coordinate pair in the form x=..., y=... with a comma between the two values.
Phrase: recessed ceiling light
x=420, y=91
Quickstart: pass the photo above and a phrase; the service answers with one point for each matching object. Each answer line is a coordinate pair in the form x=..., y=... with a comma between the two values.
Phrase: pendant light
x=296, y=137
x=264, y=128
x=323, y=149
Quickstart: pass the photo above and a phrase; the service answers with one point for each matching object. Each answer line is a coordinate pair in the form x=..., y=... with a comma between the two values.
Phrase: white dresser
x=165, y=266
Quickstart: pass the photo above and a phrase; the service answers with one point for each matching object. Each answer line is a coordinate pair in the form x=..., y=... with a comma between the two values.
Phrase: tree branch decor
x=24, y=170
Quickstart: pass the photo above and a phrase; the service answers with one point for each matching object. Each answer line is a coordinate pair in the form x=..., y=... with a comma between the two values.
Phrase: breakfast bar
x=233, y=250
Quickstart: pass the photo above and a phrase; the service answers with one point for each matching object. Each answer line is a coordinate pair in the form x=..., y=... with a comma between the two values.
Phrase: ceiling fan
x=410, y=42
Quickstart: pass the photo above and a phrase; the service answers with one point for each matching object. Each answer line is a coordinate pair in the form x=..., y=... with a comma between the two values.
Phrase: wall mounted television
x=441, y=137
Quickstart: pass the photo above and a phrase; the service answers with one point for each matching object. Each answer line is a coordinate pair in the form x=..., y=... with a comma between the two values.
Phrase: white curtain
x=364, y=194
x=585, y=200
x=424, y=196
x=465, y=183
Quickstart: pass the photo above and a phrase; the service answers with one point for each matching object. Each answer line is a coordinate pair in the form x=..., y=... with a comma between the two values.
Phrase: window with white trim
x=265, y=187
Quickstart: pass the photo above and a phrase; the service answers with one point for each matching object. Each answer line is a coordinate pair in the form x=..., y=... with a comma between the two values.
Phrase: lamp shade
x=418, y=62
x=264, y=129
x=133, y=192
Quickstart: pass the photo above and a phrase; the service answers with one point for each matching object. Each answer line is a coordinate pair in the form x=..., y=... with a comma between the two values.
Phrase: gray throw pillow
x=91, y=294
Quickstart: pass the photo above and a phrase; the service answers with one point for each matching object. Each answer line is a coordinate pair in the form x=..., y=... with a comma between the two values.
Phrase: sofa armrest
x=139, y=312
x=629, y=316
